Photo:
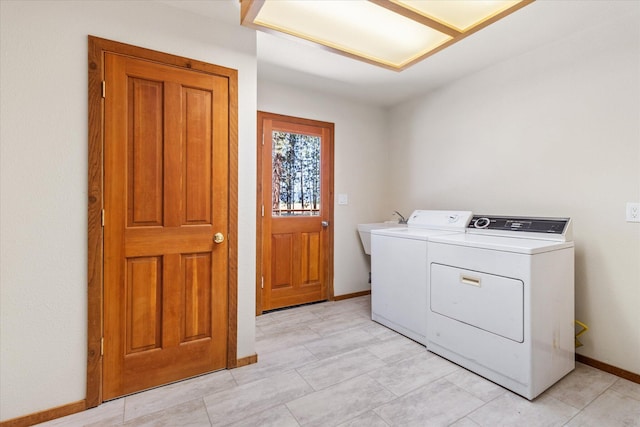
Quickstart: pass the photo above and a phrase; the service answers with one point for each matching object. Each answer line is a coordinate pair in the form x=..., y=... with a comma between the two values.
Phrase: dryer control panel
x=514, y=226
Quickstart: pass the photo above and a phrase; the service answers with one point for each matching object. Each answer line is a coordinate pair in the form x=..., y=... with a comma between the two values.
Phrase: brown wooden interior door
x=297, y=234
x=166, y=196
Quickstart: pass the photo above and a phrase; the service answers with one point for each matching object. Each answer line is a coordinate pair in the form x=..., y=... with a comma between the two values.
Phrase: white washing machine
x=399, y=269
x=501, y=300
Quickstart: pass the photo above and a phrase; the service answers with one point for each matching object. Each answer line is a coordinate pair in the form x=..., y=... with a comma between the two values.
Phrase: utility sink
x=365, y=232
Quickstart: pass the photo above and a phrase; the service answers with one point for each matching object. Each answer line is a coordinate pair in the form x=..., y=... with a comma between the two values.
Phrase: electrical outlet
x=633, y=212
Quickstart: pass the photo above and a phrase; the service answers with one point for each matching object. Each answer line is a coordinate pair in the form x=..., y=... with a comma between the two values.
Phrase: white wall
x=360, y=170
x=555, y=132
x=43, y=179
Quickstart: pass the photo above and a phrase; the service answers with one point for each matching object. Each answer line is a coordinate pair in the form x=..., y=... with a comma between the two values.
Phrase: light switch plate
x=633, y=212
x=343, y=199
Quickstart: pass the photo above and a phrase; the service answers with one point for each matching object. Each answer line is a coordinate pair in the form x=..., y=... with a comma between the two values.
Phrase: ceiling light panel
x=394, y=34
x=459, y=14
x=359, y=28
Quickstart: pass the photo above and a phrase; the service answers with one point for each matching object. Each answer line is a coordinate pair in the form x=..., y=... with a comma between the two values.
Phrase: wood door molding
x=97, y=47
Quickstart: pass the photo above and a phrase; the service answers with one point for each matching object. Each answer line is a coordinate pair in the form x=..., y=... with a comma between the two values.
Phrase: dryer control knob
x=481, y=222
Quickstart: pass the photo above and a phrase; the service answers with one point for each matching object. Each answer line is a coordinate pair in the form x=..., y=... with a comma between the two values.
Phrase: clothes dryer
x=501, y=300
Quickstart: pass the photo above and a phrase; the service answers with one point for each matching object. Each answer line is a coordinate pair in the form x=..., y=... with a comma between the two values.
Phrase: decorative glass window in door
x=296, y=174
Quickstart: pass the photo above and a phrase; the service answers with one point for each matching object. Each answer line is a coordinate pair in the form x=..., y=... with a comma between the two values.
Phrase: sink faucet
x=402, y=220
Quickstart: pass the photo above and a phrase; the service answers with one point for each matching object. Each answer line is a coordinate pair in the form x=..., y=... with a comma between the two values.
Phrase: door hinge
x=102, y=217
x=102, y=346
x=262, y=210
x=104, y=89
x=262, y=284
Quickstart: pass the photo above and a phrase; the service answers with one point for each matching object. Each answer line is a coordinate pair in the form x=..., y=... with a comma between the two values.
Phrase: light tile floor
x=328, y=364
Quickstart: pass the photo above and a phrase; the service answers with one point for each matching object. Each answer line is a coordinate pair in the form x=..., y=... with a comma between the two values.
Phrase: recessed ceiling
x=393, y=34
x=295, y=63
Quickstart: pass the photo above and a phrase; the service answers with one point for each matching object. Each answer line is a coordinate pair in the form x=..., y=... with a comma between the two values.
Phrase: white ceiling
x=303, y=64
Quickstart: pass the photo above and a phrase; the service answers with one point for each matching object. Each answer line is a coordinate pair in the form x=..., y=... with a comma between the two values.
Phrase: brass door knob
x=218, y=238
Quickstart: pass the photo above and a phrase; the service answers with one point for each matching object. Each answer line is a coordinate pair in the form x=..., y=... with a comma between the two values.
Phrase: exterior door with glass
x=296, y=211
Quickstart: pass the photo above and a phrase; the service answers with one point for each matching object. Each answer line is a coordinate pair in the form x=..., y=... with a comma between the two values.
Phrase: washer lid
x=500, y=243
x=411, y=233
x=440, y=220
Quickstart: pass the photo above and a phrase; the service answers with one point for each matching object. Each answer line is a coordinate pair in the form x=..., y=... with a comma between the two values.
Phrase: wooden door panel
x=166, y=156
x=295, y=269
x=197, y=296
x=282, y=260
x=310, y=259
x=197, y=177
x=144, y=157
x=143, y=304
